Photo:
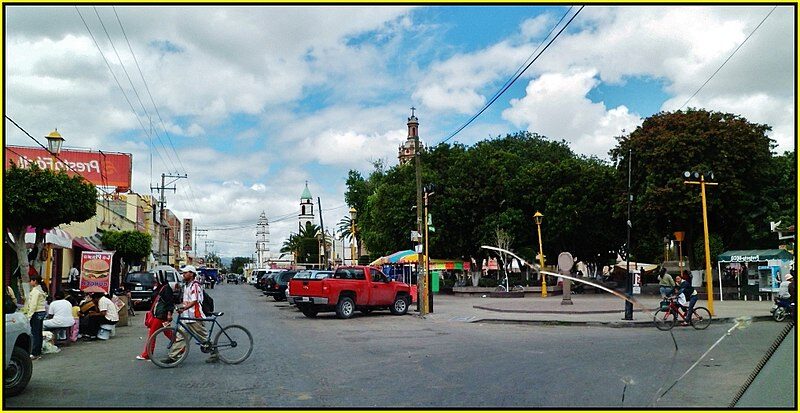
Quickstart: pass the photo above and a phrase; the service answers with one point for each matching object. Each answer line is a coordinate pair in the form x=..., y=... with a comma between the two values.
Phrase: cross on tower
x=412, y=110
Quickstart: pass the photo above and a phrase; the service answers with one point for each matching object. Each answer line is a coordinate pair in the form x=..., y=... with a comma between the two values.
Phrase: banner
x=102, y=169
x=96, y=271
x=187, y=234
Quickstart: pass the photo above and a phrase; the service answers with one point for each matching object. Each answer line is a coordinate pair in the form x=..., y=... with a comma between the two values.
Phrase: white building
x=262, y=241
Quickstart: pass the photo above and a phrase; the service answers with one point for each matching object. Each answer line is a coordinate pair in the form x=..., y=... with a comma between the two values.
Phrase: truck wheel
x=18, y=372
x=309, y=312
x=345, y=308
x=399, y=306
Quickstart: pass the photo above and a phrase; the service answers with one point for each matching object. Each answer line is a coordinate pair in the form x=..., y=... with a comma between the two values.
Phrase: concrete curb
x=498, y=310
x=612, y=324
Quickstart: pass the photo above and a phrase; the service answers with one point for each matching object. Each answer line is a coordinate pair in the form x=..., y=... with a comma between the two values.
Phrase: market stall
x=758, y=271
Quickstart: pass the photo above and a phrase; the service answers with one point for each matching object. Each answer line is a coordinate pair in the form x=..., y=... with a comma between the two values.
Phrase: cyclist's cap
x=189, y=268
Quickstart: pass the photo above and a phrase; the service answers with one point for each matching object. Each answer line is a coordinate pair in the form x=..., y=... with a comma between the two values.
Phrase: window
x=378, y=276
x=349, y=274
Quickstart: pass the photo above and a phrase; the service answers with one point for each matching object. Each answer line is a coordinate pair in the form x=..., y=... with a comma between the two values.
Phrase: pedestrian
x=35, y=311
x=106, y=312
x=665, y=283
x=192, y=304
x=160, y=314
x=74, y=277
x=59, y=313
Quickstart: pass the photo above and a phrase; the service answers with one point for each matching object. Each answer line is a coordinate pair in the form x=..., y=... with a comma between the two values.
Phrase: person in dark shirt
x=161, y=312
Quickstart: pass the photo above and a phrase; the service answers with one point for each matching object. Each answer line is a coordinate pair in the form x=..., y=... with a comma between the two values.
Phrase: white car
x=17, y=365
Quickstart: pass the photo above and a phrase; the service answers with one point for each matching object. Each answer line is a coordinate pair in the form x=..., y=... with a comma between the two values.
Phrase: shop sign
x=745, y=258
x=109, y=169
x=96, y=270
x=187, y=234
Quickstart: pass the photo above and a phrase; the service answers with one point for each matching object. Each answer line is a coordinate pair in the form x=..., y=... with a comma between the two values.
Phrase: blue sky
x=254, y=110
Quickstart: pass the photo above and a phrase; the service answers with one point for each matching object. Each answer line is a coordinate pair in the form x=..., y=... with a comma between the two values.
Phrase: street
x=388, y=361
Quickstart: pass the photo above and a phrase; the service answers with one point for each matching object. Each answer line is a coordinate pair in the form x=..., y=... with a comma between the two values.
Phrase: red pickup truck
x=349, y=289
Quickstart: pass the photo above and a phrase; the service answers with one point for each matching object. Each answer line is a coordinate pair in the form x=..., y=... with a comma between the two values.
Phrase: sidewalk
x=587, y=309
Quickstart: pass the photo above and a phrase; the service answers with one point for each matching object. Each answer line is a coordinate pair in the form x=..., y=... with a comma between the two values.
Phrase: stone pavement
x=587, y=309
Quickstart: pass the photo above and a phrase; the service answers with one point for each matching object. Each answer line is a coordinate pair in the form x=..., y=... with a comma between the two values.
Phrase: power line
x=51, y=153
x=193, y=196
x=113, y=75
x=508, y=84
x=726, y=60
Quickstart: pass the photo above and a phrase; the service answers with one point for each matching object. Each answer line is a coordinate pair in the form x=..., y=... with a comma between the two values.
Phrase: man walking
x=192, y=305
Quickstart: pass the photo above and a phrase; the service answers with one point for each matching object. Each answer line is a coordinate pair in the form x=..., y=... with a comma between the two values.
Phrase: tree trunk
x=22, y=256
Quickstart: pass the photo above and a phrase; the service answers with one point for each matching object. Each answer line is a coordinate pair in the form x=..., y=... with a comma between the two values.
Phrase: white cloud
x=556, y=106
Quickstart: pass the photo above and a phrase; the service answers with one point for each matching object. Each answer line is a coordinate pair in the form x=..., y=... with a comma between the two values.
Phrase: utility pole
x=422, y=288
x=204, y=234
x=162, y=203
x=628, y=280
x=322, y=229
x=428, y=303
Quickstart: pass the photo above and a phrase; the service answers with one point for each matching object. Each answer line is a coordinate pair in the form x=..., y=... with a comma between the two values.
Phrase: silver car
x=17, y=364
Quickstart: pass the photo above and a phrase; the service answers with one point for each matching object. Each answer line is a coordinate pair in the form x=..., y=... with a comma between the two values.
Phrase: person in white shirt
x=74, y=277
x=60, y=313
x=783, y=289
x=107, y=313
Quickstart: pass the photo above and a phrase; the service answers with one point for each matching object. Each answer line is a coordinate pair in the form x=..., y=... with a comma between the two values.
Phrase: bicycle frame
x=178, y=324
x=676, y=308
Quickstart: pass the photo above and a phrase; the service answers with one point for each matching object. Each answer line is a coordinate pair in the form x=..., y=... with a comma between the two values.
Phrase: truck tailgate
x=306, y=287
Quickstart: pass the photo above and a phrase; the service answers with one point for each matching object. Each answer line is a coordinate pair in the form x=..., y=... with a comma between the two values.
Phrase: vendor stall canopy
x=755, y=255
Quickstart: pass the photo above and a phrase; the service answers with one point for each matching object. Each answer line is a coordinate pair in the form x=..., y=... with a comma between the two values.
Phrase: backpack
x=208, y=304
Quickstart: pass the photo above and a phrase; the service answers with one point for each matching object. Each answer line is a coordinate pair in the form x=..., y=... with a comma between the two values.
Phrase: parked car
x=351, y=288
x=233, y=278
x=307, y=275
x=140, y=284
x=276, y=286
x=17, y=365
x=172, y=277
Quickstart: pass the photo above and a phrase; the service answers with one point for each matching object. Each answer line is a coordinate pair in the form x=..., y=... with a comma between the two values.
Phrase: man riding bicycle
x=686, y=294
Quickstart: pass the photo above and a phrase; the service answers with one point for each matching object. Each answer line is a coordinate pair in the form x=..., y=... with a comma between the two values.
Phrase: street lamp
x=54, y=142
x=353, y=213
x=538, y=217
x=703, y=181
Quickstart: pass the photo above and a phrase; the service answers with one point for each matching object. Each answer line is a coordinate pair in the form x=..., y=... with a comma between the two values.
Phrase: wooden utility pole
x=422, y=286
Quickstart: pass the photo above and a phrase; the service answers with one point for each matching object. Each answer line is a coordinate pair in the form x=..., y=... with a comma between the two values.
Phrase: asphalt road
x=382, y=360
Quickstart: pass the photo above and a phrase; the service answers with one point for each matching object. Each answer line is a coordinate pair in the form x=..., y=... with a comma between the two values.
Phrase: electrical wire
x=509, y=84
x=726, y=60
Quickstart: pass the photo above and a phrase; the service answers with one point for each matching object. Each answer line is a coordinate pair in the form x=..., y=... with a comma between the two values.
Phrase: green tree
x=305, y=245
x=42, y=199
x=237, y=264
x=669, y=143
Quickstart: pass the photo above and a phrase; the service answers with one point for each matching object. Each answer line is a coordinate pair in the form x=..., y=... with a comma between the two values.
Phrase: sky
x=253, y=101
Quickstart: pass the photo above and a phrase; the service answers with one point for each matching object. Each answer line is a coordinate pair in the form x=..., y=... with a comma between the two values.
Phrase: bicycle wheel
x=664, y=320
x=234, y=344
x=161, y=343
x=701, y=318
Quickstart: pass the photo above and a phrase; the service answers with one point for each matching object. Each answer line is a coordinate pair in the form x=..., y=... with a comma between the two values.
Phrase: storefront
x=755, y=271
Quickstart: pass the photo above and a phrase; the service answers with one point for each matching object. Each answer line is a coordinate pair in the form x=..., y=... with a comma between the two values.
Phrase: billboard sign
x=187, y=234
x=96, y=271
x=100, y=168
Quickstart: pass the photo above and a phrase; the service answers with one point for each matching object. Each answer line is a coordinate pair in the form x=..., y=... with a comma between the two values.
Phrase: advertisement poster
x=96, y=271
x=99, y=168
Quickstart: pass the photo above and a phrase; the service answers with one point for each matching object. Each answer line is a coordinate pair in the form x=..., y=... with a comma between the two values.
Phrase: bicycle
x=665, y=318
x=504, y=288
x=233, y=344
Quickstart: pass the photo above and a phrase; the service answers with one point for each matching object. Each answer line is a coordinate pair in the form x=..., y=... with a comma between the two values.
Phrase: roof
x=754, y=255
x=306, y=193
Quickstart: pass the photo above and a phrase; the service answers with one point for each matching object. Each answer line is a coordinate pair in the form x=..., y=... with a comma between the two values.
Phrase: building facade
x=405, y=153
x=262, y=242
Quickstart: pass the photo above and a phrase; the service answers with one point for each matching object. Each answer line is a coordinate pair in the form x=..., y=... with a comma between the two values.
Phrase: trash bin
x=435, y=281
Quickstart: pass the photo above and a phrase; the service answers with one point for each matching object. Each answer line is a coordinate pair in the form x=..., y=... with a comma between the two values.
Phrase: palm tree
x=303, y=245
x=345, y=228
x=291, y=245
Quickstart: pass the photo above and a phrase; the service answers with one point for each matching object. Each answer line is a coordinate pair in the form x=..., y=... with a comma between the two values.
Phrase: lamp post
x=703, y=181
x=679, y=237
x=353, y=213
x=538, y=217
x=54, y=142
